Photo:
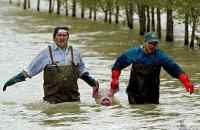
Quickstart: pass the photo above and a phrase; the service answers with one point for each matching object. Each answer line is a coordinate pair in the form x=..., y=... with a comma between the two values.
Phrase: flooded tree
x=152, y=20
x=73, y=8
x=66, y=8
x=38, y=5
x=50, y=6
x=148, y=19
x=129, y=13
x=117, y=9
x=25, y=4
x=29, y=4
x=170, y=26
x=159, y=30
x=142, y=18
x=58, y=7
x=104, y=6
x=150, y=14
x=186, y=37
x=194, y=23
x=190, y=13
x=19, y=3
x=83, y=4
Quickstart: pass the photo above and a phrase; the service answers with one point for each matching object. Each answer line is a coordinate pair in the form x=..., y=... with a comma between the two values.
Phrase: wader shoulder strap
x=72, y=55
x=51, y=55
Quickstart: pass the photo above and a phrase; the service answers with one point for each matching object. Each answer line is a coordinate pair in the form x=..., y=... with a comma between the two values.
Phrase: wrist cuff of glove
x=88, y=79
x=115, y=74
x=184, y=78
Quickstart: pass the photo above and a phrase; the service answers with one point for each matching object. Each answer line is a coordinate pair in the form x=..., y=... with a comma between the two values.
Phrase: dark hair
x=58, y=28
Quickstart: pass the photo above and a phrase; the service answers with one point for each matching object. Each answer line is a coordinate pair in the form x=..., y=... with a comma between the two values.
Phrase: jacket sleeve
x=125, y=59
x=38, y=63
x=170, y=65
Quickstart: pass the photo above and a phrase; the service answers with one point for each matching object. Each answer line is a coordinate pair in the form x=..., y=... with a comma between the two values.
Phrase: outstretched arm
x=176, y=71
x=122, y=62
x=18, y=78
x=35, y=67
x=84, y=75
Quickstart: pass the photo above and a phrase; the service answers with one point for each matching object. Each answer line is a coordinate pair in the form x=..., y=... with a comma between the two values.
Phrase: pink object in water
x=106, y=101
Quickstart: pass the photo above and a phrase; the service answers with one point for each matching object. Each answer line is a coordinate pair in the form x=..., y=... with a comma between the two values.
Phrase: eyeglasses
x=153, y=43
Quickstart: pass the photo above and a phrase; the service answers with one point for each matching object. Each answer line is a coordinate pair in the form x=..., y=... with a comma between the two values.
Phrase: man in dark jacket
x=146, y=62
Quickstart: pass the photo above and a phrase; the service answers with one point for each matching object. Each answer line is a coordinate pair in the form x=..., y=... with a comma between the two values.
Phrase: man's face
x=61, y=39
x=150, y=47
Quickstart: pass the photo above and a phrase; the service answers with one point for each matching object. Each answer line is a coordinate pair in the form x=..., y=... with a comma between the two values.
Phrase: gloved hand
x=18, y=78
x=114, y=82
x=186, y=82
x=95, y=89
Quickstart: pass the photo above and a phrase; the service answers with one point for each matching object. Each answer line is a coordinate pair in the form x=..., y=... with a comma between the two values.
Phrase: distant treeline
x=114, y=11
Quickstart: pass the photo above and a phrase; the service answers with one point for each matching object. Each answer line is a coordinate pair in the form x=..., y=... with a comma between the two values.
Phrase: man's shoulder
x=75, y=49
x=135, y=49
x=160, y=51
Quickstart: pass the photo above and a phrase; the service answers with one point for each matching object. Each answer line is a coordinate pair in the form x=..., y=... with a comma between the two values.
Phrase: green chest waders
x=60, y=81
x=144, y=84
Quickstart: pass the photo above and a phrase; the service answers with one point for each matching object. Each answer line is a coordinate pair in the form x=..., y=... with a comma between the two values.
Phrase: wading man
x=146, y=61
x=62, y=65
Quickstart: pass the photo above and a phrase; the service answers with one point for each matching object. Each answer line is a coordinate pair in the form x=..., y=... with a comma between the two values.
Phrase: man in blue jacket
x=146, y=61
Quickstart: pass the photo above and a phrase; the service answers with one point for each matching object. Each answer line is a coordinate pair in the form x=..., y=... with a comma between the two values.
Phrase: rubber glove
x=88, y=79
x=114, y=87
x=18, y=78
x=92, y=82
x=186, y=82
x=95, y=90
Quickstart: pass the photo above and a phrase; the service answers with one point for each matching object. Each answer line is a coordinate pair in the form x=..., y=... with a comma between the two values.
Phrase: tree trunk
x=38, y=5
x=29, y=4
x=159, y=33
x=186, y=37
x=127, y=14
x=117, y=14
x=194, y=21
x=192, y=36
x=110, y=15
x=148, y=19
x=50, y=6
x=152, y=20
x=142, y=19
x=130, y=14
x=95, y=14
x=170, y=26
x=53, y=3
x=25, y=5
x=109, y=8
x=83, y=10
x=58, y=7
x=66, y=8
x=19, y=3
x=74, y=8
x=90, y=13
x=106, y=16
x=10, y=1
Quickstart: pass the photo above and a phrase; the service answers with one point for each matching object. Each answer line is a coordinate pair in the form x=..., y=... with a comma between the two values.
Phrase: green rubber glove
x=18, y=78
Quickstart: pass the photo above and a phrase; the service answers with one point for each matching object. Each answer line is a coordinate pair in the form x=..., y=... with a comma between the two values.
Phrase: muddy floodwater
x=23, y=34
